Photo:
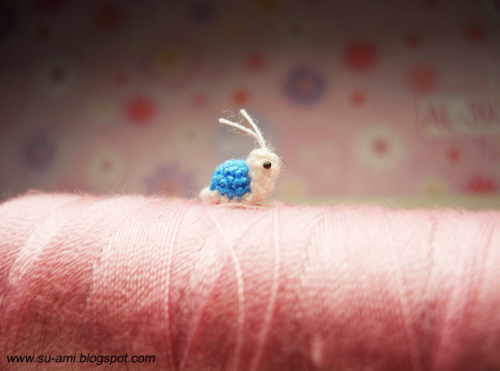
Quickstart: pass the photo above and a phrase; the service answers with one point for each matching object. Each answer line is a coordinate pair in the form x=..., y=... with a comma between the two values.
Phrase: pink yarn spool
x=280, y=288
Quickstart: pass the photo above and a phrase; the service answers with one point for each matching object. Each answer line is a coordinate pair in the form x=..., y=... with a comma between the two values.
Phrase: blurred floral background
x=365, y=98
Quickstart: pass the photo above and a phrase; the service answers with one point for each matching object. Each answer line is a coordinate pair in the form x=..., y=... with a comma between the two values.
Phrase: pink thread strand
x=278, y=288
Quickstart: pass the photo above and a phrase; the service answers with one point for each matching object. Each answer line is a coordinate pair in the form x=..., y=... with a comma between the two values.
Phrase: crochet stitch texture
x=231, y=178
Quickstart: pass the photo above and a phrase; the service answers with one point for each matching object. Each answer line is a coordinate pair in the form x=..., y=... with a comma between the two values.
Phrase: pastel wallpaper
x=378, y=97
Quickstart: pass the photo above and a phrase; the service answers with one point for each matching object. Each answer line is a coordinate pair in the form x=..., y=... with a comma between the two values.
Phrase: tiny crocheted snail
x=244, y=182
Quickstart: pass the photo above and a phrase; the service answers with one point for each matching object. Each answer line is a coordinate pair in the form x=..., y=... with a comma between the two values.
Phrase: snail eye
x=267, y=165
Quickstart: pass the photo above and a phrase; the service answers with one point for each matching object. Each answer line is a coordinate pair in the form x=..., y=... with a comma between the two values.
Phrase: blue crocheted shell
x=231, y=178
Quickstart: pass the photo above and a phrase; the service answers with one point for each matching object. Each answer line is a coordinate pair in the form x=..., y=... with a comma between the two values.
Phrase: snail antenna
x=258, y=133
x=239, y=127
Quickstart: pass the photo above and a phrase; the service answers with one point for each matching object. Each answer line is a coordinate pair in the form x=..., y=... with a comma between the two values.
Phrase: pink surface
x=280, y=288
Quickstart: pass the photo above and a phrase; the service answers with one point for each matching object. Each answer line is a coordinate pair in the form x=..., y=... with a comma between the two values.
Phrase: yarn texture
x=263, y=180
x=277, y=288
x=251, y=180
x=231, y=178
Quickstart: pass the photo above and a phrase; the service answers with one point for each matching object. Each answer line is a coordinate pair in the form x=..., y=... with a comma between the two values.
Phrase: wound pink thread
x=278, y=288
